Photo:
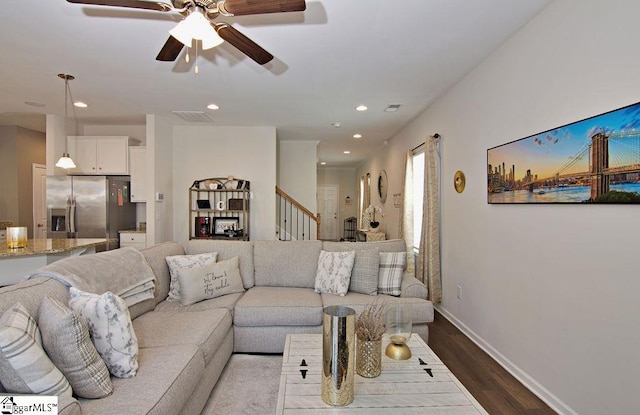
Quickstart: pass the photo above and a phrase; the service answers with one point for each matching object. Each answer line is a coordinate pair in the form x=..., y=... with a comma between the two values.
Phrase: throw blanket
x=125, y=272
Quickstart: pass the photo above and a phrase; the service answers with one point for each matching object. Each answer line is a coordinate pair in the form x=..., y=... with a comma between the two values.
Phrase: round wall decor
x=382, y=186
x=459, y=181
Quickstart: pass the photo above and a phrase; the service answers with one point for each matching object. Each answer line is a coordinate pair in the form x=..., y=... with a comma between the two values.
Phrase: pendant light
x=65, y=161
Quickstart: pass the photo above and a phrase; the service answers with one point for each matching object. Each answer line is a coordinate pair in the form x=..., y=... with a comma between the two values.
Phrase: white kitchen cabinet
x=137, y=171
x=136, y=240
x=100, y=154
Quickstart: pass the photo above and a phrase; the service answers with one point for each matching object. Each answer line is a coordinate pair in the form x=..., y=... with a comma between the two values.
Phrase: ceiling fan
x=199, y=22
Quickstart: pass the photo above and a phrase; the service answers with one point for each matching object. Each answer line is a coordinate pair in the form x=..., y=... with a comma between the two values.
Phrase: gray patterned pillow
x=111, y=329
x=391, y=268
x=24, y=365
x=210, y=281
x=177, y=262
x=65, y=336
x=334, y=272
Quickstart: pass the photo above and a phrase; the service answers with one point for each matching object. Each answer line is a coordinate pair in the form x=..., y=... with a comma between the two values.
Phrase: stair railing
x=294, y=221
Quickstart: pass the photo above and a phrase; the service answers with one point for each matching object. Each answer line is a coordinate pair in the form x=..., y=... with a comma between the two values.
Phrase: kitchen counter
x=133, y=231
x=16, y=263
x=52, y=246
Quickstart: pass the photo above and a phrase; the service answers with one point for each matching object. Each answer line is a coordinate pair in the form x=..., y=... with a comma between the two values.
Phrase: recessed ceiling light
x=357, y=136
x=336, y=124
x=347, y=152
x=361, y=108
x=80, y=104
x=323, y=163
x=213, y=107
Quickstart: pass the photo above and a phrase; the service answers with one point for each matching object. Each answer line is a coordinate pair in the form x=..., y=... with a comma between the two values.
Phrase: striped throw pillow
x=66, y=339
x=24, y=365
x=390, y=272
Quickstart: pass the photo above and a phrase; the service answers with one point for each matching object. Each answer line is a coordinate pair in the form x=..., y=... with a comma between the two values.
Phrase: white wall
x=247, y=153
x=159, y=175
x=550, y=290
x=296, y=169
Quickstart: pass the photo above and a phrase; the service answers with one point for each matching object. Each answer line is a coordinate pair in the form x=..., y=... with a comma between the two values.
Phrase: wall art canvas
x=596, y=160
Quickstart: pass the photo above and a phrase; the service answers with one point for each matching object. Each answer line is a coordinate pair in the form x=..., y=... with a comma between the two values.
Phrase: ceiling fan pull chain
x=196, y=61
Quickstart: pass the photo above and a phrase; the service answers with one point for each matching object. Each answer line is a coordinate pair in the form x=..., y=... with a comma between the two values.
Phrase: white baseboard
x=529, y=382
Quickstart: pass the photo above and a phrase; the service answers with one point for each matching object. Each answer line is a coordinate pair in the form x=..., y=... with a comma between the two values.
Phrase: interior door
x=39, y=189
x=328, y=208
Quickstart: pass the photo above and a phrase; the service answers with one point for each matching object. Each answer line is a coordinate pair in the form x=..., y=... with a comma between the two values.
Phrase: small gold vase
x=368, y=358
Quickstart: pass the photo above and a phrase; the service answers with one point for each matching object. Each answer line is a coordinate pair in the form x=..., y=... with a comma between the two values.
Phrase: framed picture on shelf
x=203, y=204
x=220, y=225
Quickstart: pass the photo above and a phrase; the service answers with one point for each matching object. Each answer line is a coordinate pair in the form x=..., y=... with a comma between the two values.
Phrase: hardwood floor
x=496, y=390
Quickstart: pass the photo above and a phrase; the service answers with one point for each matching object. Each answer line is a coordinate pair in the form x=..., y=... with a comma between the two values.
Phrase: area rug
x=248, y=386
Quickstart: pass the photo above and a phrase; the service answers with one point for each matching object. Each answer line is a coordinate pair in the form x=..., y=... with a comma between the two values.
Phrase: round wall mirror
x=382, y=186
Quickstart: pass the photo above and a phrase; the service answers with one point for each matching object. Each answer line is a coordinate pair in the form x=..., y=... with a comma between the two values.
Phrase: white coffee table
x=403, y=387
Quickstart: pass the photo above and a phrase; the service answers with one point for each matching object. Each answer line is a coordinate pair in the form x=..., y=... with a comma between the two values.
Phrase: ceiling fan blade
x=243, y=43
x=170, y=50
x=245, y=7
x=132, y=4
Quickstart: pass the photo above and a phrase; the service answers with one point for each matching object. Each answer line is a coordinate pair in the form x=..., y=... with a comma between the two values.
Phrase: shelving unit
x=350, y=229
x=219, y=209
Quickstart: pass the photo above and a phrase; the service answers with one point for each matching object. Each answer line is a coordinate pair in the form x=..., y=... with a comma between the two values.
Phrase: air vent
x=194, y=116
x=392, y=108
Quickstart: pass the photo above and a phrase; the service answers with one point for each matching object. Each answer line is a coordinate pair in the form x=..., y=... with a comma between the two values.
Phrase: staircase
x=294, y=222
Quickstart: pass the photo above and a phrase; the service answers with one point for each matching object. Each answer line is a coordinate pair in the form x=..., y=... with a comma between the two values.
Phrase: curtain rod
x=436, y=136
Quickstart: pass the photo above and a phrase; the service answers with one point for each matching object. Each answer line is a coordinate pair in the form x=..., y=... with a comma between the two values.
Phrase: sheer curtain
x=365, y=198
x=406, y=214
x=428, y=267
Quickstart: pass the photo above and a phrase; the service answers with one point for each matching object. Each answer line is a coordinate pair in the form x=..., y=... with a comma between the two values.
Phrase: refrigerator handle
x=72, y=216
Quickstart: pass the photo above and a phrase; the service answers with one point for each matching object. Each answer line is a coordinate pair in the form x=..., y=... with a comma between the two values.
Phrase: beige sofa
x=183, y=349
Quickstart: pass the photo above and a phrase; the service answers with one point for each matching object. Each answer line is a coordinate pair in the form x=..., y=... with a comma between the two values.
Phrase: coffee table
x=421, y=385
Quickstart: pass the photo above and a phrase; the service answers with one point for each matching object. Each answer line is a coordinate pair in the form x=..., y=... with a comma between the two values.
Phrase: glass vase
x=368, y=358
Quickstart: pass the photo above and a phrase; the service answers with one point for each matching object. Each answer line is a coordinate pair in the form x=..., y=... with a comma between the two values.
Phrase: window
x=418, y=195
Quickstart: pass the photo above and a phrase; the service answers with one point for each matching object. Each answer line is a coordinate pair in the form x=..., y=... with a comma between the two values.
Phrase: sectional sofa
x=183, y=349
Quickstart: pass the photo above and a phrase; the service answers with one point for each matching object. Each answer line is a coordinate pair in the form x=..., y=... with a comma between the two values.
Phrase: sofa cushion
x=111, y=330
x=242, y=249
x=334, y=272
x=24, y=365
x=226, y=301
x=388, y=245
x=155, y=257
x=66, y=339
x=210, y=281
x=390, y=275
x=30, y=293
x=278, y=306
x=180, y=262
x=205, y=329
x=163, y=385
x=286, y=263
x=364, y=276
x=421, y=309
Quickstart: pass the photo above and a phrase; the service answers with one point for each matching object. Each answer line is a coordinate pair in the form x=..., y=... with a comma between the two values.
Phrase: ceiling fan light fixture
x=196, y=26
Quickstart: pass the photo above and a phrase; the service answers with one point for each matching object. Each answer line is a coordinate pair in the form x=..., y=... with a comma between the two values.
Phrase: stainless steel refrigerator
x=89, y=207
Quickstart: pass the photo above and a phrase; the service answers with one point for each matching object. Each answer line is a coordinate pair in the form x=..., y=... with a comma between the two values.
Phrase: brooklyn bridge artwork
x=596, y=160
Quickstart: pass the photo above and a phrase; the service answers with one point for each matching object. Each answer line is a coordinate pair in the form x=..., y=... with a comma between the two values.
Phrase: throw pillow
x=390, y=276
x=334, y=272
x=364, y=277
x=111, y=329
x=210, y=281
x=177, y=262
x=24, y=365
x=66, y=339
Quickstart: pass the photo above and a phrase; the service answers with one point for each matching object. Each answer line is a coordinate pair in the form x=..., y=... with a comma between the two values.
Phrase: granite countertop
x=133, y=231
x=5, y=223
x=51, y=246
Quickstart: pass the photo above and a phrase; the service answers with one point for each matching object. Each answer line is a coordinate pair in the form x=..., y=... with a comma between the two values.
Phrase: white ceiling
x=328, y=59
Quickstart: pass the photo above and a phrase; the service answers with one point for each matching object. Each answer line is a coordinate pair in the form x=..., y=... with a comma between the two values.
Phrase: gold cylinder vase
x=338, y=355
x=369, y=358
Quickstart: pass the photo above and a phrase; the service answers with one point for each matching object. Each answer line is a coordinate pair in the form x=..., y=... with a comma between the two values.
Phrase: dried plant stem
x=370, y=323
